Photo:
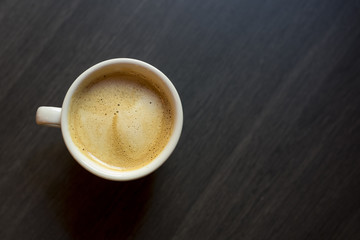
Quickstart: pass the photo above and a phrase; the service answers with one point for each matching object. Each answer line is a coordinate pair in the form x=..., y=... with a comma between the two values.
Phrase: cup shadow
x=90, y=207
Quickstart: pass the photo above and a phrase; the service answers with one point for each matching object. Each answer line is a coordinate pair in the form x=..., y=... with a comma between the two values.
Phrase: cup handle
x=49, y=116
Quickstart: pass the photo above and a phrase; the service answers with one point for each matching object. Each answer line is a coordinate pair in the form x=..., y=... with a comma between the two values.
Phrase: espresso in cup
x=121, y=120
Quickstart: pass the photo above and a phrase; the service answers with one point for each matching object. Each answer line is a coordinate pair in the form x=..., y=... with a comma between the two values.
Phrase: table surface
x=270, y=143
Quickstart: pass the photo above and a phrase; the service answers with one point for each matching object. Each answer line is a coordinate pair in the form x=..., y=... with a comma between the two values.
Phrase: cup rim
x=112, y=174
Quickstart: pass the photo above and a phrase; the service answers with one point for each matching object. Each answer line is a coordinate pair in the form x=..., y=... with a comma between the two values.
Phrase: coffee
x=120, y=120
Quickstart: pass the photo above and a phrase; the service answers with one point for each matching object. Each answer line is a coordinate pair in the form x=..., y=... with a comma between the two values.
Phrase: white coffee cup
x=58, y=117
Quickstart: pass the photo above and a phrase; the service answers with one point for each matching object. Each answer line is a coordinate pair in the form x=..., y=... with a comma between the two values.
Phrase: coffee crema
x=120, y=120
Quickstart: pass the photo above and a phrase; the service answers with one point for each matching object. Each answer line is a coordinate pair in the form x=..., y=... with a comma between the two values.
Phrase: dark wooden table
x=270, y=147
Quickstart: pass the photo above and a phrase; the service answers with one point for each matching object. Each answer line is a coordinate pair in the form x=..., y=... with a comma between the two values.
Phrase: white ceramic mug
x=58, y=117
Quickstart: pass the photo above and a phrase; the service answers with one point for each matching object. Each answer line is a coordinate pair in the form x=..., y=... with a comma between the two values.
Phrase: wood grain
x=271, y=98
